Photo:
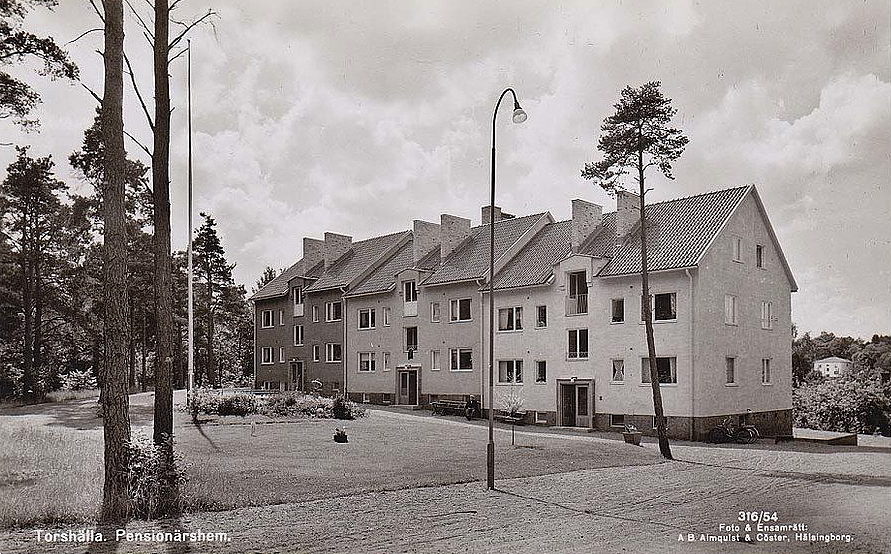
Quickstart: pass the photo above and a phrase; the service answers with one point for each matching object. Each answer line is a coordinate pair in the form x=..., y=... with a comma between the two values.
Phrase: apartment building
x=569, y=343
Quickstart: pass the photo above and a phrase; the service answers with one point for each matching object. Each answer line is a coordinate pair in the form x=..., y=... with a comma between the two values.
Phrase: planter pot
x=340, y=438
x=632, y=438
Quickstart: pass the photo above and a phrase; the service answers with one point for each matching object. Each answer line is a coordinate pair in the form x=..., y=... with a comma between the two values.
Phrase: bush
x=844, y=404
x=154, y=477
x=204, y=401
x=296, y=404
x=79, y=380
x=240, y=404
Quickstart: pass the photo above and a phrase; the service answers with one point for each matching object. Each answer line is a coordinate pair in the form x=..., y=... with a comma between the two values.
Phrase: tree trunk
x=131, y=352
x=161, y=240
x=29, y=383
x=143, y=347
x=115, y=402
x=661, y=431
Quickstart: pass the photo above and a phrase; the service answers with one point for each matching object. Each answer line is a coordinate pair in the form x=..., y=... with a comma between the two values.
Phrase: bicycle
x=727, y=431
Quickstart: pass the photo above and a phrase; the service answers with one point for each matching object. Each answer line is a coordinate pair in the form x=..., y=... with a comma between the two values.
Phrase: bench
x=446, y=407
x=517, y=418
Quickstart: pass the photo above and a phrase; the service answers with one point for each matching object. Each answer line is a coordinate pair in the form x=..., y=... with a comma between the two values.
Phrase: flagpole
x=191, y=294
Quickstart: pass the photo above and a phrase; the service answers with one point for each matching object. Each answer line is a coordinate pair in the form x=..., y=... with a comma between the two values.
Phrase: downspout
x=254, y=304
x=344, y=349
x=479, y=283
x=692, y=358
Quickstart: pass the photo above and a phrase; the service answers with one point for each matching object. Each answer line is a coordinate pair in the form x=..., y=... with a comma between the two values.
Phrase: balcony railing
x=577, y=304
x=581, y=355
x=410, y=309
x=298, y=310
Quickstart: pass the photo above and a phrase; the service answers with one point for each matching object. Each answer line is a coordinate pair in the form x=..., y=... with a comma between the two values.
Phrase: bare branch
x=139, y=144
x=82, y=35
x=93, y=94
x=179, y=37
x=145, y=111
x=142, y=23
x=178, y=54
x=173, y=5
x=98, y=12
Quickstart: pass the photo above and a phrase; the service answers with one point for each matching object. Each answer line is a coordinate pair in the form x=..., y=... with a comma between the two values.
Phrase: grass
x=52, y=397
x=53, y=470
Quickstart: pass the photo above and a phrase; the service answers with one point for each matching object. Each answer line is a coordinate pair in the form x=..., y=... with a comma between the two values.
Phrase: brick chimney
x=499, y=215
x=453, y=231
x=586, y=218
x=627, y=212
x=312, y=252
x=425, y=237
x=335, y=246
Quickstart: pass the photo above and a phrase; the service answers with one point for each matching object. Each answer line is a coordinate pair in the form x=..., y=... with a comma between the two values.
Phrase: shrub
x=154, y=477
x=204, y=401
x=240, y=404
x=295, y=404
x=79, y=380
x=844, y=404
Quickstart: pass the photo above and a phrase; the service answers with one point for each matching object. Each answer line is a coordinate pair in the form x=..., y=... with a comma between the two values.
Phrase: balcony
x=298, y=310
x=577, y=304
x=410, y=309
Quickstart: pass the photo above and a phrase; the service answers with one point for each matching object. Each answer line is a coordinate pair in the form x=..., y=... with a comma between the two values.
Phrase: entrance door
x=575, y=404
x=298, y=376
x=408, y=387
x=581, y=406
x=568, y=412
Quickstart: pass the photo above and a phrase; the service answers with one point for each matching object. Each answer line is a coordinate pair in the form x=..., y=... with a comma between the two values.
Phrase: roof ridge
x=518, y=218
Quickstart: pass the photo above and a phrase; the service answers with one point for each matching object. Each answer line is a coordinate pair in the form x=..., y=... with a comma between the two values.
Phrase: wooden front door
x=568, y=412
x=582, y=414
x=576, y=404
x=298, y=376
x=408, y=387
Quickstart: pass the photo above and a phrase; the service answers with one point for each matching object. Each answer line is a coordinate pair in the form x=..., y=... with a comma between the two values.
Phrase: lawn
x=236, y=465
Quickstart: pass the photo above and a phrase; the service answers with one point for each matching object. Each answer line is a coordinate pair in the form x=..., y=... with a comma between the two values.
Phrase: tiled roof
x=678, y=231
x=833, y=360
x=362, y=254
x=534, y=264
x=385, y=276
x=279, y=285
x=471, y=259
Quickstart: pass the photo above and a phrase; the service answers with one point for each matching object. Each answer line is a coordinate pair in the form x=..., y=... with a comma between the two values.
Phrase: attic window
x=759, y=255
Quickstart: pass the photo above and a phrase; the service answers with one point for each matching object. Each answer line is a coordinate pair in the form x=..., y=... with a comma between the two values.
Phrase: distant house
x=833, y=366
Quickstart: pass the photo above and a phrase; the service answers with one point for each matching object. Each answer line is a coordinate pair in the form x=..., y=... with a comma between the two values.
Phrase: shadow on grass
x=78, y=414
x=209, y=440
x=110, y=544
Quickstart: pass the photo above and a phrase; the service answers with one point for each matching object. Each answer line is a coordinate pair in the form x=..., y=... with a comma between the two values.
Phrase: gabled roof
x=279, y=285
x=678, y=233
x=384, y=277
x=471, y=259
x=535, y=263
x=833, y=360
x=362, y=255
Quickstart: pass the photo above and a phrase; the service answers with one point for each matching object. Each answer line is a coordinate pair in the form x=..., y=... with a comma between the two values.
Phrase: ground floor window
x=461, y=359
x=386, y=361
x=510, y=371
x=266, y=355
x=435, y=363
x=315, y=353
x=541, y=371
x=617, y=420
x=366, y=362
x=666, y=369
x=333, y=352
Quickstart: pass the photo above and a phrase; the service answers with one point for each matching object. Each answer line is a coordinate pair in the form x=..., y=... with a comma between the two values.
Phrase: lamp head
x=519, y=115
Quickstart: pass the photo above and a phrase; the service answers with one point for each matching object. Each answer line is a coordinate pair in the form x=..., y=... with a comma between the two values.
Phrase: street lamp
x=519, y=116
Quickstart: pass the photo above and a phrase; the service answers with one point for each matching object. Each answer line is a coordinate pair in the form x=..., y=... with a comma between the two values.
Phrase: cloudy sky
x=357, y=117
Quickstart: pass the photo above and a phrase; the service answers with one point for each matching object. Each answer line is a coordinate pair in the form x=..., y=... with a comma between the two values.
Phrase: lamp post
x=519, y=116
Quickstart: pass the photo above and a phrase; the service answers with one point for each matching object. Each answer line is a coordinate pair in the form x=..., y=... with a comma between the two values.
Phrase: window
x=333, y=311
x=281, y=317
x=298, y=335
x=665, y=368
x=366, y=318
x=731, y=371
x=737, y=249
x=618, y=310
x=266, y=319
x=460, y=359
x=386, y=316
x=759, y=255
x=616, y=420
x=577, y=302
x=459, y=310
x=281, y=354
x=266, y=355
x=766, y=315
x=366, y=362
x=333, y=352
x=411, y=339
x=315, y=353
x=315, y=313
x=386, y=361
x=663, y=305
x=578, y=344
x=297, y=295
x=434, y=312
x=510, y=319
x=618, y=371
x=510, y=371
x=410, y=288
x=729, y=309
x=435, y=362
x=541, y=316
x=541, y=371
x=765, y=371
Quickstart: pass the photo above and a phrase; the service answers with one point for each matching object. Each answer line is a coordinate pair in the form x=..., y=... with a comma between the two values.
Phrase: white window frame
x=435, y=360
x=297, y=295
x=613, y=370
x=736, y=244
x=766, y=378
x=405, y=345
x=766, y=315
x=731, y=309
x=330, y=312
x=455, y=310
x=612, y=311
x=539, y=364
x=281, y=317
x=371, y=316
x=730, y=371
x=539, y=322
x=435, y=315
x=578, y=353
x=386, y=314
x=455, y=356
x=267, y=355
x=653, y=296
x=281, y=354
x=369, y=362
x=387, y=361
x=645, y=370
x=409, y=291
x=512, y=368
x=298, y=335
x=315, y=314
x=330, y=351
x=316, y=353
x=263, y=315
x=514, y=319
